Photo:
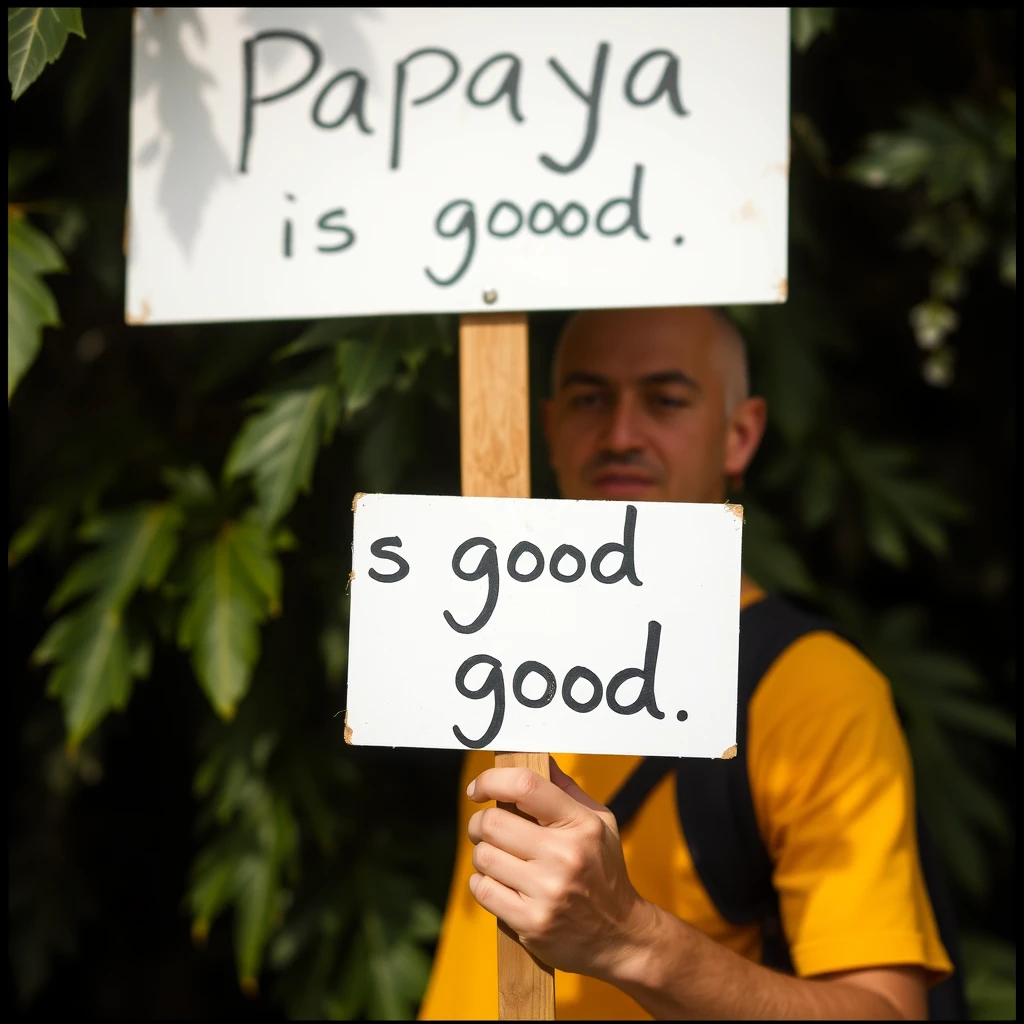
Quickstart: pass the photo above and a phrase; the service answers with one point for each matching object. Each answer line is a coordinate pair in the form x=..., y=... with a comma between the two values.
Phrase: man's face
x=638, y=411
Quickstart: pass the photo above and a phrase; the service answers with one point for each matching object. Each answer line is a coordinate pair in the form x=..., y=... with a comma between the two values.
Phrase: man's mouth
x=623, y=484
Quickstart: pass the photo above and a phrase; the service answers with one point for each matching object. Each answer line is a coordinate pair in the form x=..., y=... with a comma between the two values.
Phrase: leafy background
x=189, y=835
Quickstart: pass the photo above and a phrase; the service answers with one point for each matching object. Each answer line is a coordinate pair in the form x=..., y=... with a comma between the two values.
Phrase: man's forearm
x=677, y=972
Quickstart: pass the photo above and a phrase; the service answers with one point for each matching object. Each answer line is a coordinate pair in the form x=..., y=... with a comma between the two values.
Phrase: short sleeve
x=833, y=792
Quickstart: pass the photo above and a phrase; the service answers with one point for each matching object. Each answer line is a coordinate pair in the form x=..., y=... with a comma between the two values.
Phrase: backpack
x=716, y=813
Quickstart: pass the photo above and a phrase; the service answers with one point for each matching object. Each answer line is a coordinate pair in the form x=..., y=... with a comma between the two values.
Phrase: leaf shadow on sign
x=195, y=163
x=336, y=33
x=333, y=29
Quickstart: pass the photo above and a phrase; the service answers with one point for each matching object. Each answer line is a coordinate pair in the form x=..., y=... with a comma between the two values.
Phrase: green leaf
x=23, y=165
x=236, y=584
x=321, y=335
x=29, y=536
x=135, y=548
x=366, y=367
x=95, y=659
x=214, y=880
x=820, y=492
x=92, y=676
x=387, y=447
x=807, y=23
x=891, y=160
x=768, y=558
x=191, y=487
x=885, y=537
x=805, y=131
x=896, y=501
x=970, y=716
x=279, y=444
x=30, y=303
x=990, y=965
x=1008, y=264
x=35, y=38
x=259, y=895
x=334, y=652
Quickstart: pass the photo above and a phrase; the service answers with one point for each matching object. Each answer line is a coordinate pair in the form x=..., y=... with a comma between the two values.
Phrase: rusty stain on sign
x=729, y=754
x=145, y=312
x=348, y=730
x=736, y=510
x=782, y=289
x=355, y=500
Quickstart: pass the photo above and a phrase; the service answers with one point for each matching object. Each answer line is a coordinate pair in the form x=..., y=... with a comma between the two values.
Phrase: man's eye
x=669, y=402
x=586, y=400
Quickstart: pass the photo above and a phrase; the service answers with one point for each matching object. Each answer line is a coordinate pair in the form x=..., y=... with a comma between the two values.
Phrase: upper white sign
x=529, y=624
x=313, y=162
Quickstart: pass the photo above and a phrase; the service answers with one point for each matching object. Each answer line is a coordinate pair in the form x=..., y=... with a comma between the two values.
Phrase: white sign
x=519, y=624
x=313, y=162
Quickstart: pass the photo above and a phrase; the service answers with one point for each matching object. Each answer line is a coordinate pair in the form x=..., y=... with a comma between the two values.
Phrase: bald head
x=727, y=348
x=651, y=404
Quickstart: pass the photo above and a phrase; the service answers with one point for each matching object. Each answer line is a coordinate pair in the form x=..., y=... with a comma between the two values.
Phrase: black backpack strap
x=727, y=849
x=639, y=786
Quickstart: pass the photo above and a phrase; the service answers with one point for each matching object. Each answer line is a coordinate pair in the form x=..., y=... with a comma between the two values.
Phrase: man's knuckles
x=571, y=859
x=492, y=822
x=484, y=857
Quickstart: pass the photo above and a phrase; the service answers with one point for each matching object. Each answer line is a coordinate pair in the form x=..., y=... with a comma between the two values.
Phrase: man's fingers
x=509, y=832
x=512, y=872
x=531, y=793
x=499, y=900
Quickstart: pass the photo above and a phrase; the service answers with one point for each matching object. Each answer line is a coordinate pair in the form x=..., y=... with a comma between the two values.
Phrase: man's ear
x=744, y=433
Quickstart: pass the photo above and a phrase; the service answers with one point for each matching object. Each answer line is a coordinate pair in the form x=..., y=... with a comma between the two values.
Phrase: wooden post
x=494, y=387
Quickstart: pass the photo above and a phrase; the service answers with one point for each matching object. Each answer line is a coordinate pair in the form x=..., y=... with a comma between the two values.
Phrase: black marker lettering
x=632, y=205
x=467, y=223
x=646, y=698
x=669, y=84
x=545, y=673
x=487, y=566
x=581, y=563
x=509, y=84
x=546, y=207
x=356, y=102
x=379, y=549
x=522, y=548
x=251, y=100
x=495, y=683
x=286, y=240
x=517, y=214
x=324, y=224
x=627, y=567
x=400, y=73
x=584, y=220
x=579, y=672
x=593, y=102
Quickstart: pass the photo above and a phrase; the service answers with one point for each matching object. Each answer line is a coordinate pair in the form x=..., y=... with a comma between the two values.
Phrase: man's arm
x=561, y=884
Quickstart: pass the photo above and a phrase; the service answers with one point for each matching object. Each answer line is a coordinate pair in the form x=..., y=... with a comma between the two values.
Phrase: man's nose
x=623, y=429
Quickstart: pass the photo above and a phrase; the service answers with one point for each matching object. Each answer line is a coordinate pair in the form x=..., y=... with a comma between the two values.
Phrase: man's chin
x=624, y=490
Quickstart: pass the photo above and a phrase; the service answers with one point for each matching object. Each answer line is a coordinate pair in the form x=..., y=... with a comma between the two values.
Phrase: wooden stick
x=494, y=403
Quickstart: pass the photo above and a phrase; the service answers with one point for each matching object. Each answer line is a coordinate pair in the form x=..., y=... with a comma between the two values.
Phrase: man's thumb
x=569, y=787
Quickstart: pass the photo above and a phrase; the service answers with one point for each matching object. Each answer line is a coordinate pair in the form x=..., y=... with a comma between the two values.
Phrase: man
x=654, y=405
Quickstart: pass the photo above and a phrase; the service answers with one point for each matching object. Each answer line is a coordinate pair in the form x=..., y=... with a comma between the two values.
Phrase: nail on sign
x=314, y=162
x=529, y=624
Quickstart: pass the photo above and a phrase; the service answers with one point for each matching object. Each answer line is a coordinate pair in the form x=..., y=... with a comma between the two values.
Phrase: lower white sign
x=536, y=625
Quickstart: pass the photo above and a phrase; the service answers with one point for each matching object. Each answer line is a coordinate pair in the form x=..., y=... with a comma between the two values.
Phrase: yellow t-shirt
x=832, y=785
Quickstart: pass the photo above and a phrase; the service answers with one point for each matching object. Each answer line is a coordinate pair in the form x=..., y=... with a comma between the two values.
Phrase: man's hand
x=560, y=884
